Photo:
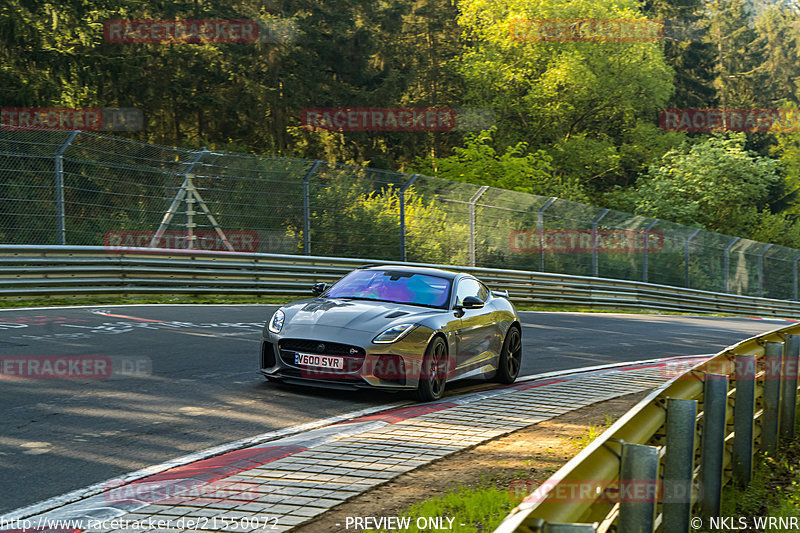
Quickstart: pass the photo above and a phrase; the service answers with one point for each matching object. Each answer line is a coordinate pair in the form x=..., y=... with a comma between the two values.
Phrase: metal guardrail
x=48, y=271
x=69, y=271
x=662, y=466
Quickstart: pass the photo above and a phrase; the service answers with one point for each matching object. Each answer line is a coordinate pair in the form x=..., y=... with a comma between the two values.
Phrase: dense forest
x=575, y=119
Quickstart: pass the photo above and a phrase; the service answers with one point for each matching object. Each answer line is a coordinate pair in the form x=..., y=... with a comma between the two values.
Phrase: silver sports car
x=394, y=327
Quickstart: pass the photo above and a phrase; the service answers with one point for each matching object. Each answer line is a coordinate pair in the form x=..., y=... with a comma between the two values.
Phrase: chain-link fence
x=79, y=188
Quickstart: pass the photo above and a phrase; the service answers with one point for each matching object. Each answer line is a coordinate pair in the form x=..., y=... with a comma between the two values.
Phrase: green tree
x=550, y=93
x=517, y=169
x=716, y=184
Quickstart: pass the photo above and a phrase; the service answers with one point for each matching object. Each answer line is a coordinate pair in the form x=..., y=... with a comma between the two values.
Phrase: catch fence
x=88, y=189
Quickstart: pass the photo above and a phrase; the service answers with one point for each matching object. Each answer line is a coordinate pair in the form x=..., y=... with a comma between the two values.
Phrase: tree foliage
x=573, y=119
x=716, y=184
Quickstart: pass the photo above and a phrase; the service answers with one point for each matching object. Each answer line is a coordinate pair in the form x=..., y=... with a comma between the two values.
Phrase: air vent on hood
x=395, y=314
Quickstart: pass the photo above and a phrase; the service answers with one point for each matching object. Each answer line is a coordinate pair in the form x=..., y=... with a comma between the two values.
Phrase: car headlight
x=276, y=322
x=393, y=334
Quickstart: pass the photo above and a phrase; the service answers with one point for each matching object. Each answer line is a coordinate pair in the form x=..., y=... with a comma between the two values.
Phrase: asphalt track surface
x=192, y=382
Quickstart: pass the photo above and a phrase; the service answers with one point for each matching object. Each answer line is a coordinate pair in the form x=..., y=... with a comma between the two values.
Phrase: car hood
x=358, y=315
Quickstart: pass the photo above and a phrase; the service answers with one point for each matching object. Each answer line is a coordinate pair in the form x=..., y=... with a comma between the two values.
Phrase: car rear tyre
x=510, y=357
x=433, y=374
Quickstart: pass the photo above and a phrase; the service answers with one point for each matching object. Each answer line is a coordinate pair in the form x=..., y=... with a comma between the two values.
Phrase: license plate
x=322, y=361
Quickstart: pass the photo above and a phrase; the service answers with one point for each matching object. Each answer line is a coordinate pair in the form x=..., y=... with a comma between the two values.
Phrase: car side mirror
x=319, y=288
x=471, y=302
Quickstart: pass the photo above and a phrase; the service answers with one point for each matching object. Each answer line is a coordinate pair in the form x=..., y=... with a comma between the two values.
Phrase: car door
x=476, y=331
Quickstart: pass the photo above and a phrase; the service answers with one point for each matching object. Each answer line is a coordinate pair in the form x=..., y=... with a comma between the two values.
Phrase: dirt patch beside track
x=524, y=458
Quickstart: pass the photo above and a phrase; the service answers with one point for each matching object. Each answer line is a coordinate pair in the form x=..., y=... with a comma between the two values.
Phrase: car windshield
x=393, y=286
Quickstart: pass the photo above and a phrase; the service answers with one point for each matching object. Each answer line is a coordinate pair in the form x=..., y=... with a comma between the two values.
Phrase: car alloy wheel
x=510, y=357
x=433, y=375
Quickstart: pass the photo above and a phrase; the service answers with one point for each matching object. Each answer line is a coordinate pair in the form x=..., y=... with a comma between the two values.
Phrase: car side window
x=471, y=287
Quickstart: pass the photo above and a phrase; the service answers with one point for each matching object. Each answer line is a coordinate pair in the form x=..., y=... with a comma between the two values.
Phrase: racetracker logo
x=749, y=120
x=379, y=119
x=181, y=31
x=240, y=241
x=179, y=491
x=71, y=118
x=571, y=241
x=587, y=30
x=601, y=490
x=73, y=367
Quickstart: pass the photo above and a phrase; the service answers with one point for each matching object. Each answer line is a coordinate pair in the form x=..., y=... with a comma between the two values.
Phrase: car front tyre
x=433, y=374
x=510, y=357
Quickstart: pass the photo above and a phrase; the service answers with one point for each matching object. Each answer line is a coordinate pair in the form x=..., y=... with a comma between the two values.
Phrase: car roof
x=449, y=274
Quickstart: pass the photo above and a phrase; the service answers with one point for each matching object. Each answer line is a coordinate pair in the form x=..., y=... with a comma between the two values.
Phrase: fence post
x=679, y=464
x=715, y=403
x=686, y=255
x=772, y=397
x=638, y=474
x=61, y=225
x=743, y=412
x=727, y=263
x=540, y=229
x=794, y=276
x=472, y=201
x=402, y=199
x=307, y=209
x=761, y=270
x=646, y=251
x=595, y=262
x=791, y=350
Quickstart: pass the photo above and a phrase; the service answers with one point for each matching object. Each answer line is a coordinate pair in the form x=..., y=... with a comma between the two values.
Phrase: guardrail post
x=761, y=270
x=743, y=412
x=772, y=397
x=472, y=201
x=686, y=255
x=595, y=259
x=646, y=251
x=61, y=230
x=727, y=263
x=791, y=350
x=681, y=430
x=540, y=229
x=638, y=475
x=307, y=209
x=402, y=199
x=715, y=403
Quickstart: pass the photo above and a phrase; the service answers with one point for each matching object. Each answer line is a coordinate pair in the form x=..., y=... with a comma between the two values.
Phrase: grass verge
x=480, y=507
x=464, y=510
x=11, y=303
x=774, y=491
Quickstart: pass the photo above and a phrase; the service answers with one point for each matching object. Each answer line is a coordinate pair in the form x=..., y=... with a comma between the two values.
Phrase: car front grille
x=353, y=355
x=321, y=348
